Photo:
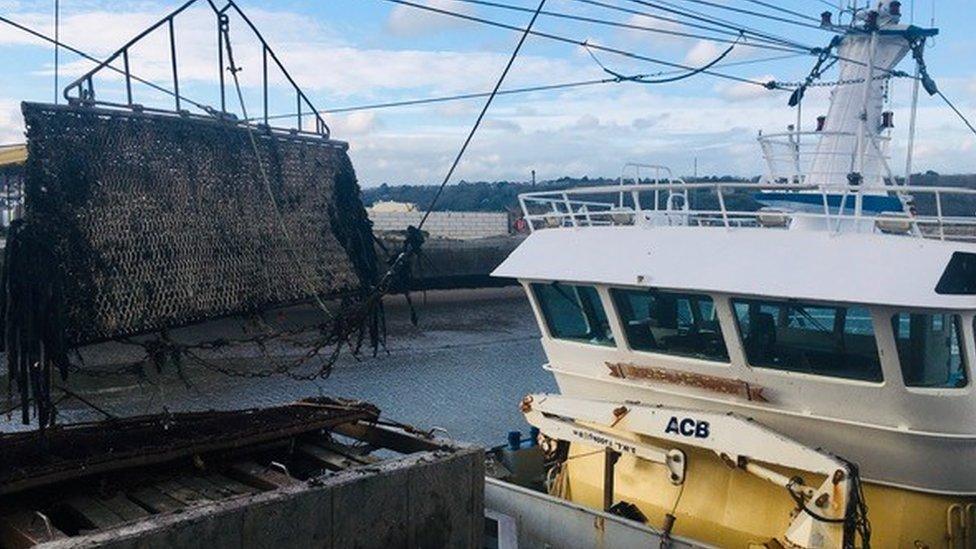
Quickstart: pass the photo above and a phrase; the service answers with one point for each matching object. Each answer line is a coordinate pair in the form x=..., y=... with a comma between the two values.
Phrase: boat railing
x=790, y=156
x=923, y=211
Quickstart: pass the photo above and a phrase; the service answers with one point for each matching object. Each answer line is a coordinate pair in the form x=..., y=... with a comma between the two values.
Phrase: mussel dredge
x=793, y=374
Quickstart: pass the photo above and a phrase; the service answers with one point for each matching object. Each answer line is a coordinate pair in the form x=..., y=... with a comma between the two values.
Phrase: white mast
x=851, y=141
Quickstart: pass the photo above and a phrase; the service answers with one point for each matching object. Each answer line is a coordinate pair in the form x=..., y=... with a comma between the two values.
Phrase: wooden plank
x=22, y=529
x=93, y=512
x=140, y=457
x=208, y=489
x=260, y=476
x=345, y=450
x=181, y=493
x=332, y=460
x=155, y=500
x=230, y=484
x=390, y=438
x=124, y=507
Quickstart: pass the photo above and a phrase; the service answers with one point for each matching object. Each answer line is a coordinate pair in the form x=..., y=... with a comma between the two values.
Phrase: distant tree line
x=502, y=196
x=484, y=196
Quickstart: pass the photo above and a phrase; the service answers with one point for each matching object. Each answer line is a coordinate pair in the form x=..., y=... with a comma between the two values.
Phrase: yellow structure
x=13, y=154
x=729, y=507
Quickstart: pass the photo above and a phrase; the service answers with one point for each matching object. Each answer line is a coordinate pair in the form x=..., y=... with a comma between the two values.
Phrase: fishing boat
x=780, y=363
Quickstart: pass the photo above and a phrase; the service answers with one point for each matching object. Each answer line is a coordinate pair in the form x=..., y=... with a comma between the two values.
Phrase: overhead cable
x=630, y=26
x=644, y=80
x=756, y=14
x=725, y=29
x=514, y=91
x=80, y=53
x=712, y=20
x=782, y=9
x=577, y=42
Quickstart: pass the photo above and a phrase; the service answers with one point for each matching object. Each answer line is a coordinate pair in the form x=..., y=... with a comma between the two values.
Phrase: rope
x=642, y=80
x=234, y=69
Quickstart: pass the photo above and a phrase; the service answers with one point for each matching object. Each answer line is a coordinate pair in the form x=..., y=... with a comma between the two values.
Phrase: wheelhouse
x=914, y=349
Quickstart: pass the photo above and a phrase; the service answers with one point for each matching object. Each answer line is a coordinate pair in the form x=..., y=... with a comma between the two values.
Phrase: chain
x=843, y=82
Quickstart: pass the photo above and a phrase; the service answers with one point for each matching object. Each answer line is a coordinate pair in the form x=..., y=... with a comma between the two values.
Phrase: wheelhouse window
x=574, y=313
x=929, y=349
x=671, y=323
x=823, y=340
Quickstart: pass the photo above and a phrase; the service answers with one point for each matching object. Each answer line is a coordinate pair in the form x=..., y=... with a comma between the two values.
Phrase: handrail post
x=172, y=52
x=569, y=209
x=264, y=77
x=721, y=204
x=938, y=214
x=128, y=77
x=525, y=214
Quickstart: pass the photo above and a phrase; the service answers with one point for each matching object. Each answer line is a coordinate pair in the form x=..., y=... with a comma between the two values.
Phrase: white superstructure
x=833, y=304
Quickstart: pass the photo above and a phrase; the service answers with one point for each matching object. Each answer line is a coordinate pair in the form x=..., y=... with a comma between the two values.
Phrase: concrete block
x=372, y=513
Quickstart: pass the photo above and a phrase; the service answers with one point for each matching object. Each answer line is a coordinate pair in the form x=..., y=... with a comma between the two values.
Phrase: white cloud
x=649, y=38
x=588, y=131
x=410, y=21
x=11, y=122
x=745, y=91
x=353, y=124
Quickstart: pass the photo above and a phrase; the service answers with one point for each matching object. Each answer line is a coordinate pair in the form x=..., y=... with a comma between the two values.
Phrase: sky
x=347, y=53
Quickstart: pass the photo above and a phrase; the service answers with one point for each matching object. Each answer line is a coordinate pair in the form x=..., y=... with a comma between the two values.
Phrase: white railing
x=790, y=157
x=839, y=208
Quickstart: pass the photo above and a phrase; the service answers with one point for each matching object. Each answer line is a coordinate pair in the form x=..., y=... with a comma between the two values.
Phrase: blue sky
x=355, y=52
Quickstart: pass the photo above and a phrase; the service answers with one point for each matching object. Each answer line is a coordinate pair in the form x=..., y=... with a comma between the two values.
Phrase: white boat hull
x=935, y=463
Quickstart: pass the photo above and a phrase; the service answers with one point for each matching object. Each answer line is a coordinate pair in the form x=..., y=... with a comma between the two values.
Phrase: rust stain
x=618, y=414
x=688, y=379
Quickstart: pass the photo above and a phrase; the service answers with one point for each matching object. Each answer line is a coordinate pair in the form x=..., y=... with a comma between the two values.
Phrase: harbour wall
x=426, y=499
x=453, y=225
x=446, y=264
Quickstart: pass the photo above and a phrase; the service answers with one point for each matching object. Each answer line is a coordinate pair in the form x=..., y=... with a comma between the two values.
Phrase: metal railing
x=790, y=157
x=835, y=208
x=82, y=89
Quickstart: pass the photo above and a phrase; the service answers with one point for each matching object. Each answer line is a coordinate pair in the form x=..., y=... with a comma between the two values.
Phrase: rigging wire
x=957, y=111
x=415, y=238
x=811, y=50
x=57, y=50
x=644, y=80
x=758, y=14
x=577, y=42
x=732, y=34
x=783, y=10
x=514, y=91
x=712, y=20
x=481, y=115
x=563, y=15
x=80, y=53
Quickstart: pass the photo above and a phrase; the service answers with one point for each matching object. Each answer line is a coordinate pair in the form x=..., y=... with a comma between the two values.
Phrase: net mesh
x=139, y=223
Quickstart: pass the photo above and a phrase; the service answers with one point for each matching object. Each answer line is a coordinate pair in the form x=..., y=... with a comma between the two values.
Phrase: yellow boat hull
x=727, y=507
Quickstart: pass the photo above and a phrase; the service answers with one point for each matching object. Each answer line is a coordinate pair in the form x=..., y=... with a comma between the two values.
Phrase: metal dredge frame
x=82, y=90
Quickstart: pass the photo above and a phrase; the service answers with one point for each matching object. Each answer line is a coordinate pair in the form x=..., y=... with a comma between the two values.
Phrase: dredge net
x=138, y=225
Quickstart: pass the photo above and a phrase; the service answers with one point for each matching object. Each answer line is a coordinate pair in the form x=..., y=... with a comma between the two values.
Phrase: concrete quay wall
x=425, y=499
